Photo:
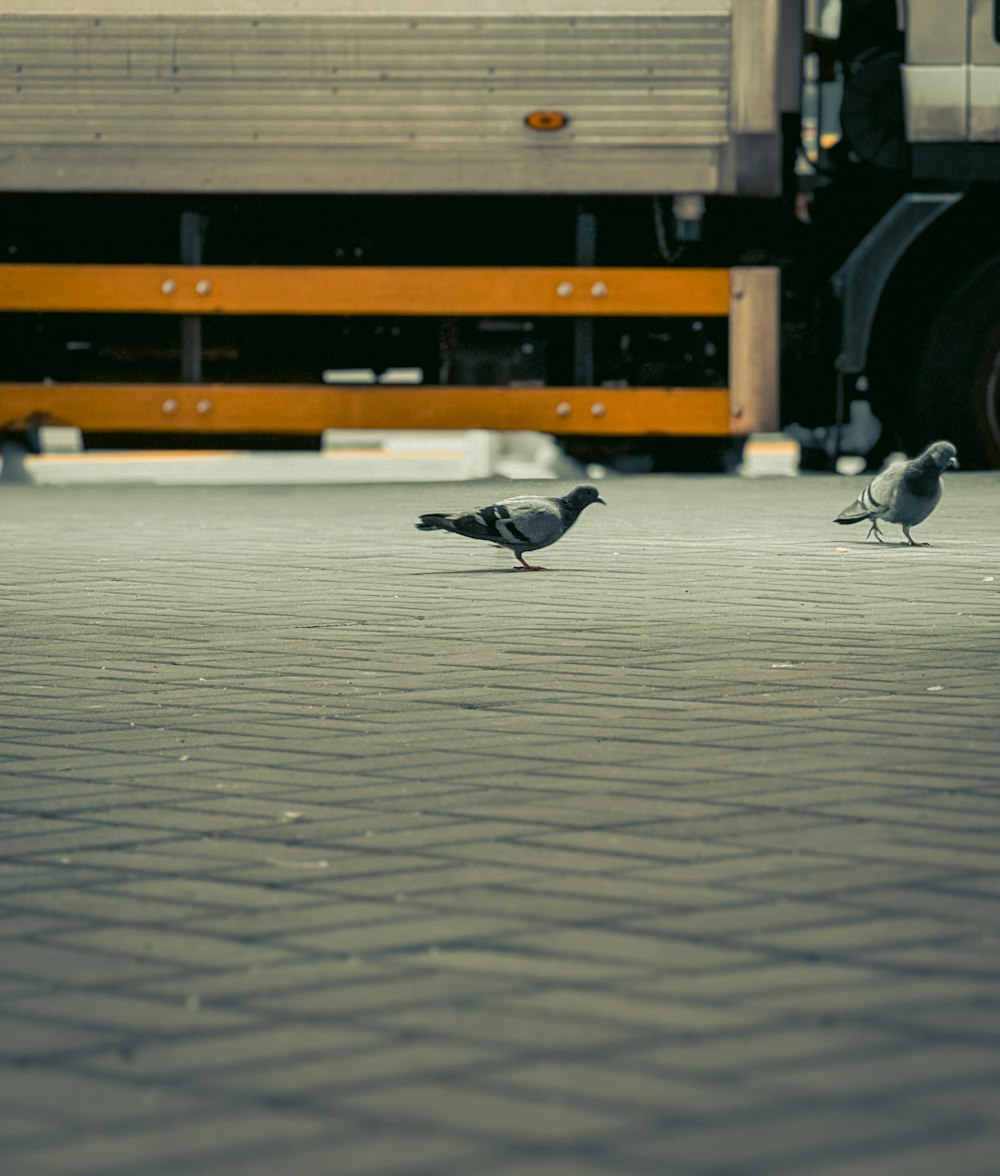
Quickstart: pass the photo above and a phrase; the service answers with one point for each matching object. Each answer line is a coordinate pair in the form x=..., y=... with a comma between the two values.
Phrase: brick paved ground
x=333, y=848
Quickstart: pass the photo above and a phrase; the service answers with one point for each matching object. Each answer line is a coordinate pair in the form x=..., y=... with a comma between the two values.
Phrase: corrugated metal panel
x=364, y=103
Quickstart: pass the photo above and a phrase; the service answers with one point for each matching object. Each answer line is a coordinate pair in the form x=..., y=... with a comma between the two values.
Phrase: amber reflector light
x=546, y=120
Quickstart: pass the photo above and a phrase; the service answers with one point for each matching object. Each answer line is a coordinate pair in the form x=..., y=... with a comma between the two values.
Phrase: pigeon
x=520, y=524
x=905, y=493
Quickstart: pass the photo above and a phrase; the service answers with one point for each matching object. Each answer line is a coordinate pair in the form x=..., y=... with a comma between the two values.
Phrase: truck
x=649, y=228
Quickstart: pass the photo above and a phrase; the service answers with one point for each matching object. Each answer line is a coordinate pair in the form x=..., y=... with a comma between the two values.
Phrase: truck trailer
x=630, y=224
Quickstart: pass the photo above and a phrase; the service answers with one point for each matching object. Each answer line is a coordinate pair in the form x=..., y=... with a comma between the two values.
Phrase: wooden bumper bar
x=308, y=410
x=363, y=290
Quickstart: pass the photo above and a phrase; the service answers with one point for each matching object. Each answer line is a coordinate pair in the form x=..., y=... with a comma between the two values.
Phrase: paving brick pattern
x=334, y=848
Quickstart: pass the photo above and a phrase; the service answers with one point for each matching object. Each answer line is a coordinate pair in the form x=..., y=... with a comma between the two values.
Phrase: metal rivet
x=564, y=289
x=563, y=408
x=736, y=410
x=168, y=287
x=599, y=290
x=170, y=406
x=203, y=407
x=203, y=287
x=597, y=410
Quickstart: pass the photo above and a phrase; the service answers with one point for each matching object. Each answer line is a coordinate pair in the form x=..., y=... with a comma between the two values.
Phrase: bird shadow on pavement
x=494, y=571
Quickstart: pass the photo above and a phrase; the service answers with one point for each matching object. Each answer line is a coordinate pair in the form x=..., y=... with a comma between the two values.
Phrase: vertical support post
x=583, y=328
x=839, y=418
x=754, y=349
x=192, y=239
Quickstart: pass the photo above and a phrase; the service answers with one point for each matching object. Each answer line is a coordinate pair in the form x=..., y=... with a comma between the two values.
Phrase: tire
x=956, y=382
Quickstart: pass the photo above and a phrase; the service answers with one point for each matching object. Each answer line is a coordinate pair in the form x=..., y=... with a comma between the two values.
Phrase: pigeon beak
x=603, y=503
x=953, y=464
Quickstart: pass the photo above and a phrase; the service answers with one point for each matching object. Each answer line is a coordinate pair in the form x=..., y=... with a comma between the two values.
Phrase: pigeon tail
x=857, y=512
x=865, y=506
x=434, y=522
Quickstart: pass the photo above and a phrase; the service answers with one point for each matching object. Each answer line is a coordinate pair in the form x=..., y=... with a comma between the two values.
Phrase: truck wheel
x=956, y=383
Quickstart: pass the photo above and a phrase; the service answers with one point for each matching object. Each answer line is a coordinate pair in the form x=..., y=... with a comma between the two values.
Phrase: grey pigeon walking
x=520, y=524
x=905, y=493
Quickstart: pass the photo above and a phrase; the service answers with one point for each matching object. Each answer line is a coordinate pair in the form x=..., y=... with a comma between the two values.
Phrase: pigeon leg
x=873, y=530
x=910, y=540
x=527, y=566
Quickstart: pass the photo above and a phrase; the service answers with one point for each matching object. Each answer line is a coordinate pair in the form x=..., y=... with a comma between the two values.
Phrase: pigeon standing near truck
x=519, y=524
x=905, y=493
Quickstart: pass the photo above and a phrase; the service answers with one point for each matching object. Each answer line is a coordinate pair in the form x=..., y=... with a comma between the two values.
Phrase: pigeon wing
x=529, y=523
x=883, y=490
x=478, y=524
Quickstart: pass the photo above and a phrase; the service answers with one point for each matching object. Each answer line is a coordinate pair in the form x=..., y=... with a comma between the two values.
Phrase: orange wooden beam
x=364, y=290
x=308, y=410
